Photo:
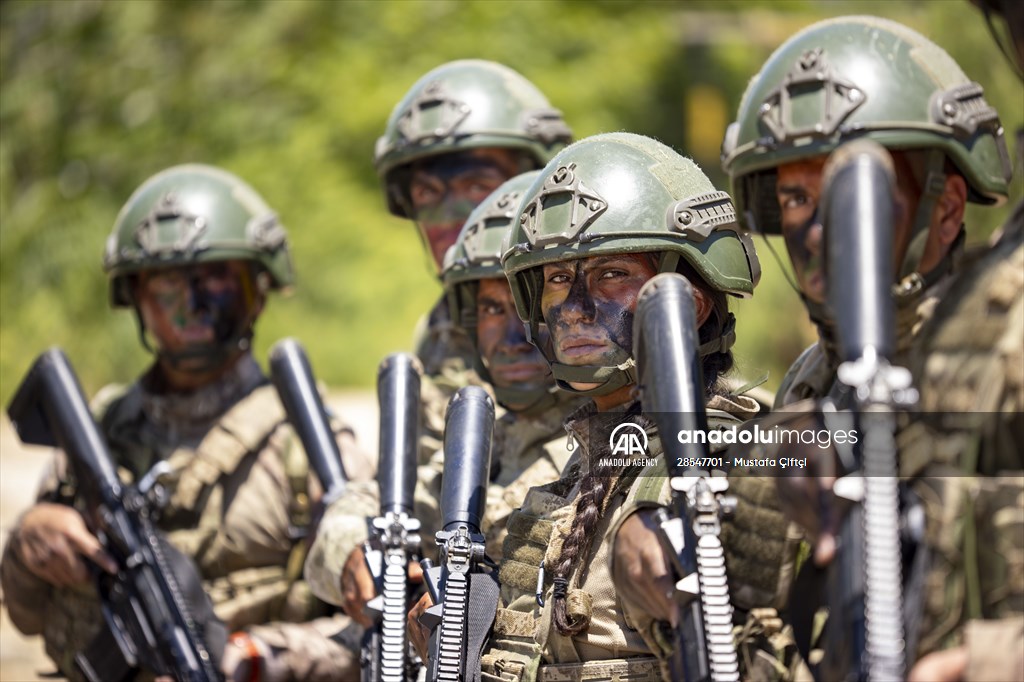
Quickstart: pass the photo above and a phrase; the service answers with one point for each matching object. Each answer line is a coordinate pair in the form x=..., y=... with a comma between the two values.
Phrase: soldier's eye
x=793, y=201
x=425, y=193
x=491, y=309
x=166, y=282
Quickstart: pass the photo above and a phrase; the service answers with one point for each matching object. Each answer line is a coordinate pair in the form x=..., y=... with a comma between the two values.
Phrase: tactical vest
x=962, y=452
x=192, y=518
x=525, y=644
x=967, y=452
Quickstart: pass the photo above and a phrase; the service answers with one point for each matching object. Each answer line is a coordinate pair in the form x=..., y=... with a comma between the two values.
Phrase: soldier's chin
x=580, y=386
x=198, y=359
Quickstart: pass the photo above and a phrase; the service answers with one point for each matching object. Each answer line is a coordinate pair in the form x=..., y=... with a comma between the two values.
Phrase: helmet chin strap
x=207, y=358
x=608, y=379
x=907, y=294
x=612, y=378
x=527, y=401
x=932, y=187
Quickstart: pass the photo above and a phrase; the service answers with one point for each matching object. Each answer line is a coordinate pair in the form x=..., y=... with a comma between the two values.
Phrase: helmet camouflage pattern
x=193, y=214
x=466, y=104
x=620, y=193
x=855, y=77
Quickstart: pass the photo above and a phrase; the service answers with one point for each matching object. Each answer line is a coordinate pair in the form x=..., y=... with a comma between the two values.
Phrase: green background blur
x=290, y=95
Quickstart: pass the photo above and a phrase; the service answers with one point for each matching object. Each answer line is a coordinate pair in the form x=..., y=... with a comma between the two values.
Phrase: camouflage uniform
x=959, y=327
x=970, y=457
x=610, y=195
x=622, y=641
x=238, y=495
x=240, y=489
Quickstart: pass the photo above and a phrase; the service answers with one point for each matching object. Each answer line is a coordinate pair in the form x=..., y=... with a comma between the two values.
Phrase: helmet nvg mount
x=861, y=76
x=465, y=104
x=620, y=193
x=194, y=214
x=476, y=255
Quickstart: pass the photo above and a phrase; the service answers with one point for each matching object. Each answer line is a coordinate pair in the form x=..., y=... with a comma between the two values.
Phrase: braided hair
x=598, y=480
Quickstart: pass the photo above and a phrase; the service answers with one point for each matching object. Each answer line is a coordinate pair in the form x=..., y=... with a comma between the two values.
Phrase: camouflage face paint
x=803, y=243
x=512, y=361
x=589, y=305
x=201, y=305
x=444, y=190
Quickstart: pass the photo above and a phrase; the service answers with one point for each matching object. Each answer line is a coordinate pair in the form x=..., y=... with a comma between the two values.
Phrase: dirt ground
x=23, y=659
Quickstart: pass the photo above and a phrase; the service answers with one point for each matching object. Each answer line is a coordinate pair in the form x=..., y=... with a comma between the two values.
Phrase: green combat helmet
x=620, y=193
x=193, y=214
x=466, y=104
x=476, y=255
x=855, y=77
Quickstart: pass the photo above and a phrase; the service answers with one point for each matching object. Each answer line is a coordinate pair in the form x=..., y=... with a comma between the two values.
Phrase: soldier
x=194, y=253
x=529, y=445
x=972, y=360
x=947, y=146
x=461, y=130
x=958, y=324
x=593, y=230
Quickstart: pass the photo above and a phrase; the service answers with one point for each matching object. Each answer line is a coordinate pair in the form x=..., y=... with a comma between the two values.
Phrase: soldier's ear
x=950, y=208
x=704, y=305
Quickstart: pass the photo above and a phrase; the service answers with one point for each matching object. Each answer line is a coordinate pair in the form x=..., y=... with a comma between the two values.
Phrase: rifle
x=865, y=592
x=465, y=597
x=293, y=378
x=672, y=390
x=146, y=605
x=394, y=538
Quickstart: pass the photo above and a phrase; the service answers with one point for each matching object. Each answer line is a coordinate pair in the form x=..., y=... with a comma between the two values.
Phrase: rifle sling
x=483, y=604
x=810, y=585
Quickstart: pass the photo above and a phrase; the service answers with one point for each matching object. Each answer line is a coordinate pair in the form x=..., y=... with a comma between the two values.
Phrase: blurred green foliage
x=97, y=96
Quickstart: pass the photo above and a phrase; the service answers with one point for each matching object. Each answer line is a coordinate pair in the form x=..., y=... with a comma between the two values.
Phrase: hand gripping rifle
x=150, y=605
x=465, y=597
x=293, y=378
x=672, y=391
x=866, y=637
x=394, y=538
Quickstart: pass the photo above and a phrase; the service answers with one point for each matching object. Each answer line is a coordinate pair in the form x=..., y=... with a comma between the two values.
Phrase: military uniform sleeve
x=650, y=490
x=995, y=649
x=342, y=528
x=24, y=593
x=67, y=619
x=321, y=650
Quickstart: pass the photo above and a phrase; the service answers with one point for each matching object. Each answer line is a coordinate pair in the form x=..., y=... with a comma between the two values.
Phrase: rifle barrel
x=857, y=201
x=293, y=377
x=398, y=392
x=469, y=425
